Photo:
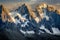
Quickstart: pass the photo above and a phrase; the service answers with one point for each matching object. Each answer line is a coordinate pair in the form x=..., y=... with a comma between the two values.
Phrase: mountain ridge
x=44, y=19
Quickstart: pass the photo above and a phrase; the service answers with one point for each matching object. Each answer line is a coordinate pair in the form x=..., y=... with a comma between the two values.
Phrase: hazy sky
x=33, y=1
x=13, y=3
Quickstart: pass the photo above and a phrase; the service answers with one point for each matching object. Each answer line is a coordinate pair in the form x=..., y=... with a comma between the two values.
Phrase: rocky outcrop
x=5, y=14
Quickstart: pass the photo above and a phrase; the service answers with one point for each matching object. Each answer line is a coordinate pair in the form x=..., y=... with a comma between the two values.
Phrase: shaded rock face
x=52, y=16
x=0, y=14
x=0, y=9
x=8, y=30
x=55, y=18
x=23, y=10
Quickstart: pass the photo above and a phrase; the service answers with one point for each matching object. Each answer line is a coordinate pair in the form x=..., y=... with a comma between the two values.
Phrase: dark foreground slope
x=44, y=37
x=10, y=32
x=17, y=36
x=4, y=35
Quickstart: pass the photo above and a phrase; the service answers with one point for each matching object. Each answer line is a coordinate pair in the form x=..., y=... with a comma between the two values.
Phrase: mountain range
x=26, y=23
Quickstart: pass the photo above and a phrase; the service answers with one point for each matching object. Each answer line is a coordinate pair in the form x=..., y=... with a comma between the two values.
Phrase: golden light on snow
x=43, y=5
x=3, y=16
x=41, y=15
x=21, y=18
x=10, y=18
x=51, y=8
x=37, y=19
x=58, y=11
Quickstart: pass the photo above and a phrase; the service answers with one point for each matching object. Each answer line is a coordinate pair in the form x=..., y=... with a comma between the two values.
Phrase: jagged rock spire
x=26, y=9
x=5, y=14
